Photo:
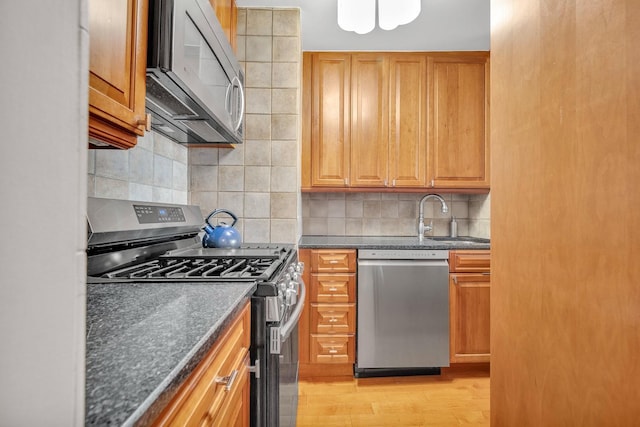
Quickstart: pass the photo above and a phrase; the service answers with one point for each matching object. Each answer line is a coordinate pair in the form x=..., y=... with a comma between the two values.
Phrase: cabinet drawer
x=332, y=260
x=203, y=397
x=470, y=261
x=333, y=318
x=333, y=288
x=332, y=348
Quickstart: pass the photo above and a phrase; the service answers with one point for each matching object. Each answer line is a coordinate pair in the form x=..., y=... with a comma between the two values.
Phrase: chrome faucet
x=424, y=228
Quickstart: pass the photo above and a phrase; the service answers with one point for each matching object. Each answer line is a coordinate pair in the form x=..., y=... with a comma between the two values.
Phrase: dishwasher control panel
x=403, y=254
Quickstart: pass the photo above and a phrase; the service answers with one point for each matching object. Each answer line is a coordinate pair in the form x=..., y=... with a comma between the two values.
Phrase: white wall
x=441, y=25
x=43, y=167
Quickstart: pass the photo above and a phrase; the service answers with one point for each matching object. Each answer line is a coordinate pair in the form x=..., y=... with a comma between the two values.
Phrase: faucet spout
x=422, y=228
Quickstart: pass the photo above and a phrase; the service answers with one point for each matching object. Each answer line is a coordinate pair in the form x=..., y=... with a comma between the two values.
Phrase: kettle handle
x=217, y=211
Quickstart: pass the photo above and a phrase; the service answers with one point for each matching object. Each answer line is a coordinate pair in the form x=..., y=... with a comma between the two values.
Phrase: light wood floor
x=451, y=399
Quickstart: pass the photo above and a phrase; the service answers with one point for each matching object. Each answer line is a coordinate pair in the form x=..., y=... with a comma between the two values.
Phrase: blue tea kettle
x=222, y=235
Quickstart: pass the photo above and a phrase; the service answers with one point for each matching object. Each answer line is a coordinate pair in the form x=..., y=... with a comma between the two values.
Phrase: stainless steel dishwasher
x=403, y=312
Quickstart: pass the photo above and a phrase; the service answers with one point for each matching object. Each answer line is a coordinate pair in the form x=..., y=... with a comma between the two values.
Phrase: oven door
x=288, y=380
x=282, y=367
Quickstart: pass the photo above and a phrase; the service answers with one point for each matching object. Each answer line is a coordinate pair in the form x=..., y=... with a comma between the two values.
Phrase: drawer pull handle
x=333, y=289
x=333, y=320
x=228, y=380
x=333, y=351
x=333, y=261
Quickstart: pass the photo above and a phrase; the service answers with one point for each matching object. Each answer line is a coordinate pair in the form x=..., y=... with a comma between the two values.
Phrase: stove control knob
x=290, y=297
x=300, y=267
x=282, y=286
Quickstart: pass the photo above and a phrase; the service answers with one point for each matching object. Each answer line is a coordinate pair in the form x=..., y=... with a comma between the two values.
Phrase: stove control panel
x=148, y=214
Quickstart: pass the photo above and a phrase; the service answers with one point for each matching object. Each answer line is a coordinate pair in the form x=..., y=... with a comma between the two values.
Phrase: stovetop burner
x=173, y=268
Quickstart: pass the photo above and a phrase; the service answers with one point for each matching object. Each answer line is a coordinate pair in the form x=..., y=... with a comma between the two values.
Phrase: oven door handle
x=295, y=315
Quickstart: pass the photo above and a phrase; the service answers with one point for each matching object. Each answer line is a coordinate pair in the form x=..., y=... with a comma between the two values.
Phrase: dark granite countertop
x=143, y=340
x=393, y=242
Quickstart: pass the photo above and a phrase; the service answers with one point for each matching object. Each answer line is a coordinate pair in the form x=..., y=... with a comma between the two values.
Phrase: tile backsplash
x=392, y=214
x=259, y=180
x=155, y=170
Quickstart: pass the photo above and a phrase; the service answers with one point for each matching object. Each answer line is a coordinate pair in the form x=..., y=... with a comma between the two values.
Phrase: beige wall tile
x=231, y=156
x=258, y=74
x=407, y=209
x=371, y=208
x=162, y=195
x=162, y=171
x=258, y=101
x=111, y=188
x=91, y=185
x=319, y=209
x=284, y=179
x=112, y=164
x=286, y=49
x=141, y=166
x=207, y=200
x=336, y=226
x=232, y=201
x=286, y=22
x=284, y=205
x=257, y=178
x=257, y=205
x=284, y=101
x=257, y=230
x=180, y=177
x=140, y=192
x=284, y=126
x=203, y=178
x=336, y=208
x=257, y=153
x=241, y=49
x=286, y=75
x=353, y=227
x=284, y=153
x=258, y=49
x=230, y=178
x=203, y=156
x=284, y=231
x=389, y=209
x=241, y=22
x=258, y=126
x=315, y=226
x=259, y=22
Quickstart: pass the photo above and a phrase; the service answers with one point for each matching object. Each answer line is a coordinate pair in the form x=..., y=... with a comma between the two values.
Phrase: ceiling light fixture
x=360, y=15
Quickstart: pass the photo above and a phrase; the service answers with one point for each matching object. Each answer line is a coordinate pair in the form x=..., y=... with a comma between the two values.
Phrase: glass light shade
x=392, y=13
x=357, y=15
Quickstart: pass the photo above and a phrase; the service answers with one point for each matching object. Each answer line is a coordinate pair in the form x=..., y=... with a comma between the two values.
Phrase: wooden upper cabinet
x=369, y=120
x=459, y=155
x=117, y=70
x=330, y=118
x=407, y=120
x=413, y=121
x=227, y=14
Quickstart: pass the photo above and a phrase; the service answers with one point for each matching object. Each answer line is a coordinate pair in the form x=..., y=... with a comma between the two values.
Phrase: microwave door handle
x=241, y=116
x=227, y=98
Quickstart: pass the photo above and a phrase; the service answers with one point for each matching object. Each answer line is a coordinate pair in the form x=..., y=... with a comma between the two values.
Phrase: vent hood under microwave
x=195, y=88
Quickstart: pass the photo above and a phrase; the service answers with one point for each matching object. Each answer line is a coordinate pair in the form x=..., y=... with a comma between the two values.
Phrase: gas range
x=132, y=242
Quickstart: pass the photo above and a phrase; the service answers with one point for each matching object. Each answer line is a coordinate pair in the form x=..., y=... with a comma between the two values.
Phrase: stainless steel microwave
x=194, y=82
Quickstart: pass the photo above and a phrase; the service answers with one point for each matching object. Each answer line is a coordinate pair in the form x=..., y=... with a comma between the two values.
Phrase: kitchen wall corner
x=259, y=180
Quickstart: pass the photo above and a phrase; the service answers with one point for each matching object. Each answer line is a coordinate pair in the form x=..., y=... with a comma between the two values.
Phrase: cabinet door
x=469, y=317
x=226, y=12
x=330, y=116
x=407, y=120
x=117, y=67
x=459, y=154
x=369, y=120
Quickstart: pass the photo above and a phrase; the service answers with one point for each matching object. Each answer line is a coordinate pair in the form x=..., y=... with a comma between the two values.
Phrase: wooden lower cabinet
x=469, y=293
x=217, y=391
x=328, y=324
